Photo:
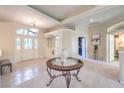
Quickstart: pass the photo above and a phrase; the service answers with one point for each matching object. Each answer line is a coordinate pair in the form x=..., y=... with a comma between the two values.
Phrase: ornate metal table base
x=66, y=74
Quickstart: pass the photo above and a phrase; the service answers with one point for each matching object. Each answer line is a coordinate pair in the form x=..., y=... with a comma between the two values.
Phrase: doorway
x=53, y=46
x=113, y=46
x=82, y=47
x=26, y=45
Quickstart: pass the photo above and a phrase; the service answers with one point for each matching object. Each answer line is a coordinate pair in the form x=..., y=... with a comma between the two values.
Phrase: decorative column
x=121, y=58
x=121, y=61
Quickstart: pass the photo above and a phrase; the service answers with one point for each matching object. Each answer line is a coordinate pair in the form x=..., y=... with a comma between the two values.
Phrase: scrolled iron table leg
x=51, y=77
x=67, y=69
x=68, y=78
x=76, y=75
x=50, y=81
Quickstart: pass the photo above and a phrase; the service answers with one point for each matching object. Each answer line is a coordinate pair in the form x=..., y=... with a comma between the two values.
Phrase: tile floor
x=33, y=74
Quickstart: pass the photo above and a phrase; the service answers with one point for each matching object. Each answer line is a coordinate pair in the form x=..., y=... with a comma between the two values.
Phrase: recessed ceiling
x=53, y=16
x=99, y=15
x=26, y=15
x=61, y=12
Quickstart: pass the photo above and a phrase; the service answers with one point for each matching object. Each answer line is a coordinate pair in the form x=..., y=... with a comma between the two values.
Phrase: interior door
x=82, y=47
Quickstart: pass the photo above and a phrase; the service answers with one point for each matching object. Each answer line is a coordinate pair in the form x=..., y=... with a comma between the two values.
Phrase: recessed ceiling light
x=91, y=20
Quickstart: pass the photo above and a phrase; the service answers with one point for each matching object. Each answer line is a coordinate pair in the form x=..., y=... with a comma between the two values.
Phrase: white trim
x=95, y=10
x=42, y=14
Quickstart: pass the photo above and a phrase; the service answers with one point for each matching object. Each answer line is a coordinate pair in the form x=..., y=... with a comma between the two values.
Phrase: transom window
x=26, y=32
x=26, y=39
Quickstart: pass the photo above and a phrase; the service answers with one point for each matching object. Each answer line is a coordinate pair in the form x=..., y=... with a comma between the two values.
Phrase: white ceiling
x=26, y=15
x=99, y=15
x=53, y=16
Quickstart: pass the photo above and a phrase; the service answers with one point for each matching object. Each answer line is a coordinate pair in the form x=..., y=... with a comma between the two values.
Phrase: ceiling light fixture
x=34, y=29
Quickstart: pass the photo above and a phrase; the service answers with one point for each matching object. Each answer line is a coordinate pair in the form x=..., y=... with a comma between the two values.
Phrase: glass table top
x=64, y=62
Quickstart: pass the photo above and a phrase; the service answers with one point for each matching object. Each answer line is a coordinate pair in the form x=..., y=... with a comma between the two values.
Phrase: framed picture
x=95, y=39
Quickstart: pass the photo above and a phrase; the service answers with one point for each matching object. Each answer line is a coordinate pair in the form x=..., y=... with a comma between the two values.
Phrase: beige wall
x=41, y=43
x=87, y=31
x=98, y=29
x=7, y=39
x=83, y=31
x=102, y=30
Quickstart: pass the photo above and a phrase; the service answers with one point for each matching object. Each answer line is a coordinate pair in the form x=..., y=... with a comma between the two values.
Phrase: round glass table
x=68, y=67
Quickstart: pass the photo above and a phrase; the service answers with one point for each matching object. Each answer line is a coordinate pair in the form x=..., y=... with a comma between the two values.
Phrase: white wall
x=67, y=40
x=70, y=42
x=121, y=70
x=49, y=49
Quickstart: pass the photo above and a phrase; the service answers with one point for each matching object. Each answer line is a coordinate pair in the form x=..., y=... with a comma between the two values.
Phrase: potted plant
x=95, y=51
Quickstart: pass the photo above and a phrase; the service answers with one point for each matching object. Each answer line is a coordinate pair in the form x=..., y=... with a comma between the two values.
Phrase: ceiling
x=48, y=17
x=95, y=16
x=61, y=12
x=26, y=15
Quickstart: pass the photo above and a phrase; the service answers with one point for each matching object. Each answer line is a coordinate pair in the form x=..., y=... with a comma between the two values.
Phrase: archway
x=114, y=35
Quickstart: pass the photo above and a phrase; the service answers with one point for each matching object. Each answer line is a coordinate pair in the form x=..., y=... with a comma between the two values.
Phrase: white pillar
x=121, y=61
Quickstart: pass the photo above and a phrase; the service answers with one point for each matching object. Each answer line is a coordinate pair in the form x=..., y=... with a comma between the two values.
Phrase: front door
x=26, y=47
